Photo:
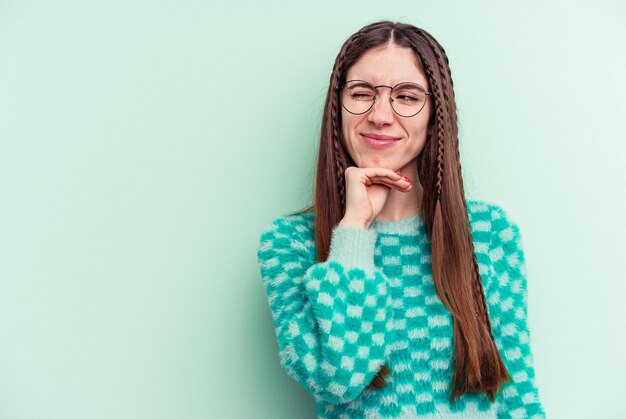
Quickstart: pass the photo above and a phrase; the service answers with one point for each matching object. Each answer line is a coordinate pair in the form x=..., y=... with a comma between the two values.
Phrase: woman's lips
x=378, y=140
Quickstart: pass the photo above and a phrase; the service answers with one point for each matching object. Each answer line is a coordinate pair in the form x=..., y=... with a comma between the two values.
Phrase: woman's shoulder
x=487, y=214
x=489, y=220
x=296, y=229
x=295, y=223
x=498, y=247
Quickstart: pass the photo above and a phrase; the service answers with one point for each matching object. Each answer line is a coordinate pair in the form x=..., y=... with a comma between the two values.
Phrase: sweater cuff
x=353, y=247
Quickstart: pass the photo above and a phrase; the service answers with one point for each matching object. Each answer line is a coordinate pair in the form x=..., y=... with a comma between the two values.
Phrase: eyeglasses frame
x=342, y=86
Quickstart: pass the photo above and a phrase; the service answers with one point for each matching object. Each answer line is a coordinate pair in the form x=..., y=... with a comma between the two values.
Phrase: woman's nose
x=381, y=112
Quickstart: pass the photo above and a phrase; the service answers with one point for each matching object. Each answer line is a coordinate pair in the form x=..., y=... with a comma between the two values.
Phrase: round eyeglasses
x=407, y=99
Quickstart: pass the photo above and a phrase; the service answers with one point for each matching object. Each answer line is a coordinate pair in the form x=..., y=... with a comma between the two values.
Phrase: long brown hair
x=478, y=365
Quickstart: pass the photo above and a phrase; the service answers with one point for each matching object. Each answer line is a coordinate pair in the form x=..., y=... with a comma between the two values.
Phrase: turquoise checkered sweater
x=373, y=302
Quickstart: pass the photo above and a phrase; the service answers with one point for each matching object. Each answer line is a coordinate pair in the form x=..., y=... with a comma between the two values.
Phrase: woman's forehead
x=389, y=64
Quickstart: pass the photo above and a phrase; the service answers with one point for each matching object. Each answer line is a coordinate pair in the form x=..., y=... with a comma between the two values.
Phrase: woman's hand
x=367, y=190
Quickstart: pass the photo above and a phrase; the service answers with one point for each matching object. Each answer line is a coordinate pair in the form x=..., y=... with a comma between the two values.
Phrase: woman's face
x=380, y=137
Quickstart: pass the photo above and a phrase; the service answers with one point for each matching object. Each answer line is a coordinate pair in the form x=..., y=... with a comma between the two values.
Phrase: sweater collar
x=409, y=226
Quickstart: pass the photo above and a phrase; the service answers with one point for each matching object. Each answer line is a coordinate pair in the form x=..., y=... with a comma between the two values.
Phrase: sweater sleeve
x=331, y=318
x=507, y=305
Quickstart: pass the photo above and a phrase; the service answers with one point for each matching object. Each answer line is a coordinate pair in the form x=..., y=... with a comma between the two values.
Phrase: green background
x=145, y=145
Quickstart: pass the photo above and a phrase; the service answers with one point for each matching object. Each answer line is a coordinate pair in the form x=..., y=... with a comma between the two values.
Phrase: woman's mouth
x=379, y=140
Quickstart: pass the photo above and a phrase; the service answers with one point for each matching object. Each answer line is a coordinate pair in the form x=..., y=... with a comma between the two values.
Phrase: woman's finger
x=372, y=172
x=402, y=184
x=378, y=175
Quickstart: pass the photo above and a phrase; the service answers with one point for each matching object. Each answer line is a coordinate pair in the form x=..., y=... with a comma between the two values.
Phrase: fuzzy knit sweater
x=373, y=302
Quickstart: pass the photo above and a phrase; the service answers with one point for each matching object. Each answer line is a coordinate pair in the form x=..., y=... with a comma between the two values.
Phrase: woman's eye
x=407, y=98
x=362, y=95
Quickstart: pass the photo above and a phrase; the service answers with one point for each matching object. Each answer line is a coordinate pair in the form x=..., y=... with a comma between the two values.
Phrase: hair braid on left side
x=440, y=116
x=477, y=289
x=440, y=97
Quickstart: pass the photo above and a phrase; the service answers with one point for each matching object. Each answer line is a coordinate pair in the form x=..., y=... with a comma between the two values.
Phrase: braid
x=340, y=161
x=478, y=295
x=440, y=139
x=444, y=68
x=440, y=114
x=477, y=288
x=340, y=164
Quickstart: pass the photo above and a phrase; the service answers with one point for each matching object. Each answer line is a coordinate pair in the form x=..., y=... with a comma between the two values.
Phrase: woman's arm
x=507, y=305
x=332, y=319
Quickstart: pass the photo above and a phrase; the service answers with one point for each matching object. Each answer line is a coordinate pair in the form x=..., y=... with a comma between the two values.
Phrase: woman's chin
x=377, y=164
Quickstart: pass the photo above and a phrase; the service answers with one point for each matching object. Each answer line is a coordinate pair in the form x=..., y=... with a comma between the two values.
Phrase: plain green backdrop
x=145, y=145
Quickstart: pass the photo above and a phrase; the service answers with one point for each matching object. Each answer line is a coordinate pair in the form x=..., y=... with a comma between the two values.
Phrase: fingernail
x=407, y=179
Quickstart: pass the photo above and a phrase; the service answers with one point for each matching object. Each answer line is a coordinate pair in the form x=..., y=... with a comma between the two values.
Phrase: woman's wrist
x=354, y=223
x=353, y=247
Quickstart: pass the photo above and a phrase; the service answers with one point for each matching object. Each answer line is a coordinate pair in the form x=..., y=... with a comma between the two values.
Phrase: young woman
x=393, y=296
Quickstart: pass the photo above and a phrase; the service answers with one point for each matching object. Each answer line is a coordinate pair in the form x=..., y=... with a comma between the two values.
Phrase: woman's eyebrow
x=361, y=83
